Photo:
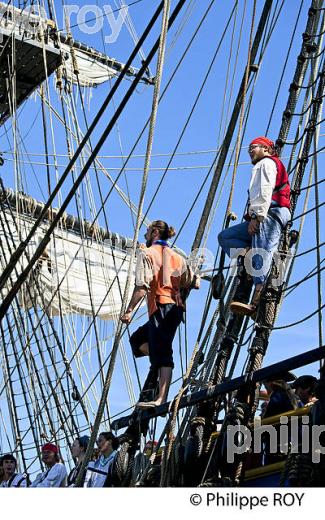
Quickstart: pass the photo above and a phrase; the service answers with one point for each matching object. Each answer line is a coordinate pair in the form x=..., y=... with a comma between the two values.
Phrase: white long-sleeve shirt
x=261, y=187
x=17, y=480
x=98, y=471
x=53, y=477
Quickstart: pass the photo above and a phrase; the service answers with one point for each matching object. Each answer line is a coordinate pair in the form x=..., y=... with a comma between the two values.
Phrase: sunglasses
x=251, y=148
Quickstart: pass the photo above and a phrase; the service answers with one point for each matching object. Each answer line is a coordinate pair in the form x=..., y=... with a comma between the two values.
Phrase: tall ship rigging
x=92, y=150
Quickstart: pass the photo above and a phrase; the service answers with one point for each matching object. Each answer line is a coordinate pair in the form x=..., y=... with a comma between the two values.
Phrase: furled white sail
x=91, y=72
x=74, y=275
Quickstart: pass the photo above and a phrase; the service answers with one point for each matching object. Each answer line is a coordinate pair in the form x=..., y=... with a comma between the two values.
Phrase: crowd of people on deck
x=285, y=396
x=280, y=397
x=98, y=472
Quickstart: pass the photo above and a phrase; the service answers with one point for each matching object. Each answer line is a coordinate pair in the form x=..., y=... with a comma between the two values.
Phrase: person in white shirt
x=55, y=474
x=10, y=477
x=78, y=450
x=268, y=214
x=99, y=473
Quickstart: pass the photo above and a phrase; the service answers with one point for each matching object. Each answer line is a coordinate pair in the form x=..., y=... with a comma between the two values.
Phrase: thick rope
x=108, y=379
x=230, y=131
x=242, y=112
x=171, y=436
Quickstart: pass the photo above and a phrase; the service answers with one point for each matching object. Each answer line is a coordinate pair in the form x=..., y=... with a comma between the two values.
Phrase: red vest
x=281, y=196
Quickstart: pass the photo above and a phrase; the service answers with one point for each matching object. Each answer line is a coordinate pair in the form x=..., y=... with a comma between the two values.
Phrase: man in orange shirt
x=158, y=276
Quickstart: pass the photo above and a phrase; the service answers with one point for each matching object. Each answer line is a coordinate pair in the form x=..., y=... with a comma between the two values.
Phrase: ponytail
x=165, y=231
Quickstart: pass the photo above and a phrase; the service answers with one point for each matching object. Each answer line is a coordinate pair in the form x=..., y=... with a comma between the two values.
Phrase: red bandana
x=50, y=447
x=264, y=141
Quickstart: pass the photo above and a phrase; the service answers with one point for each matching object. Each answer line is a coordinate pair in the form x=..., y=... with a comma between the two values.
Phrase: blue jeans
x=266, y=240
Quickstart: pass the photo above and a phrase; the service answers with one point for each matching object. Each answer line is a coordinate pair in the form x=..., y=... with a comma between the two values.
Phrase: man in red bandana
x=268, y=213
x=55, y=474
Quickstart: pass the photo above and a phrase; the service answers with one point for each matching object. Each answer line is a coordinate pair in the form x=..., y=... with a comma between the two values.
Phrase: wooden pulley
x=217, y=285
x=293, y=236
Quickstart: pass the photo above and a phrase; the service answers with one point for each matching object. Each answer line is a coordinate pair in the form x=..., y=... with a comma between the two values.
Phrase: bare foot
x=149, y=404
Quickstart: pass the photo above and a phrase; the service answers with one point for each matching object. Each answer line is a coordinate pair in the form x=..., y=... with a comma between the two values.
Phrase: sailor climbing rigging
x=268, y=213
x=158, y=276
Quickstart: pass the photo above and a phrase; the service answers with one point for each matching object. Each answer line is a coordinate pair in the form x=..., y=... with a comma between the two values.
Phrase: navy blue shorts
x=159, y=333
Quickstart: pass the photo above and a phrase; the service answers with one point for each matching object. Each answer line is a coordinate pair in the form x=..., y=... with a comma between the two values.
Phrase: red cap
x=50, y=447
x=150, y=445
x=264, y=141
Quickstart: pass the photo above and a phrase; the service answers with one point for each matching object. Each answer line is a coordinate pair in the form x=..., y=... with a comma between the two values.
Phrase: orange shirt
x=159, y=269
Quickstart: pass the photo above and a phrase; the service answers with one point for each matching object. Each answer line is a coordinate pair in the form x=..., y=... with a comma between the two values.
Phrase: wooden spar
x=33, y=208
x=102, y=58
x=228, y=386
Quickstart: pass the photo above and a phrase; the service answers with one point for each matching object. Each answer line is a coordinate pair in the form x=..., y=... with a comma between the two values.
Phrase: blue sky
x=203, y=135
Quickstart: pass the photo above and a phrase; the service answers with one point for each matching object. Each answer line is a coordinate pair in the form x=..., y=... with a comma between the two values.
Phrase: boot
x=248, y=309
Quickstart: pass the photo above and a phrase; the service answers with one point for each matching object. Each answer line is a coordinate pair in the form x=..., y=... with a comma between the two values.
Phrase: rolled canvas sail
x=74, y=275
x=91, y=72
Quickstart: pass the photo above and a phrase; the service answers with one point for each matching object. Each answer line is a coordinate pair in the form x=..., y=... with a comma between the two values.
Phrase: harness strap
x=279, y=188
x=10, y=481
x=44, y=476
x=95, y=470
x=73, y=474
x=20, y=481
x=275, y=217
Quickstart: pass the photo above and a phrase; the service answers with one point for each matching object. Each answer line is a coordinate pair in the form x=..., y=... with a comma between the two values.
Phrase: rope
x=136, y=156
x=15, y=257
x=229, y=134
x=242, y=111
x=223, y=118
x=309, y=250
x=83, y=234
x=312, y=185
x=298, y=77
x=306, y=318
x=284, y=68
x=210, y=68
x=318, y=271
x=53, y=361
x=317, y=233
x=106, y=387
x=101, y=167
x=308, y=211
x=175, y=405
